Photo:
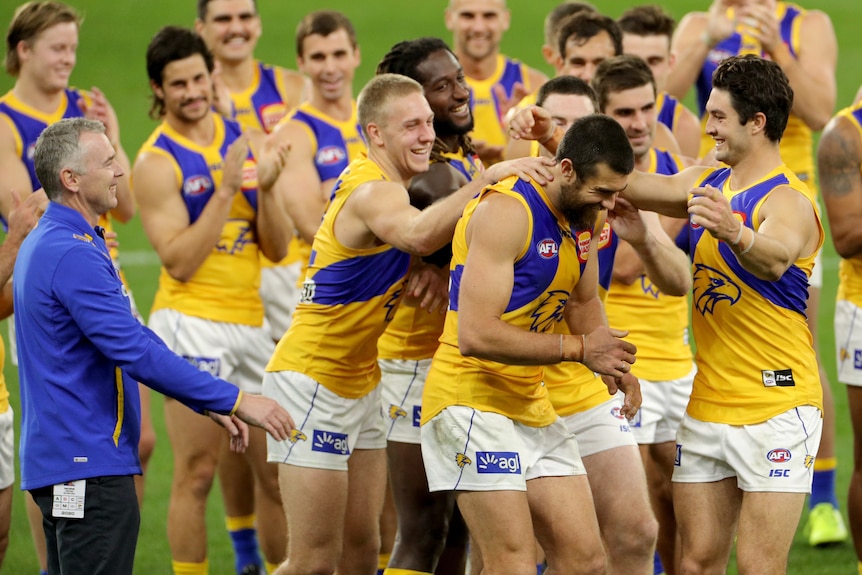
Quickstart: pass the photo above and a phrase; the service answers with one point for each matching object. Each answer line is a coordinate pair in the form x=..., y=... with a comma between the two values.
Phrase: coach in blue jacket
x=81, y=353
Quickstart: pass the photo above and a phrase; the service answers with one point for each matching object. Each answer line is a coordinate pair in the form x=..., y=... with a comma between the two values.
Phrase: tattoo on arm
x=838, y=160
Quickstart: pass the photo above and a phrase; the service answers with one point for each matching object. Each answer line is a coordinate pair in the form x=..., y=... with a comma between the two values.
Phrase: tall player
x=803, y=43
x=208, y=208
x=257, y=96
x=497, y=82
x=839, y=165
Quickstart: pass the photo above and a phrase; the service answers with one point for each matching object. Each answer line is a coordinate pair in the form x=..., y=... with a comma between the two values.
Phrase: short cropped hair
x=567, y=85
x=756, y=85
x=170, y=44
x=556, y=17
x=324, y=23
x=59, y=147
x=647, y=20
x=371, y=104
x=594, y=140
x=618, y=74
x=30, y=20
x=203, y=6
x=583, y=26
x=405, y=57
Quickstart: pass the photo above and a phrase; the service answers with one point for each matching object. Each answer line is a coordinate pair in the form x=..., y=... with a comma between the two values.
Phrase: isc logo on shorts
x=779, y=455
x=208, y=364
x=677, y=461
x=857, y=359
x=330, y=442
x=417, y=415
x=498, y=462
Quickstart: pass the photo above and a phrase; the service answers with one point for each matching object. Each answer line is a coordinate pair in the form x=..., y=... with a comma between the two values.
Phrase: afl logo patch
x=330, y=155
x=779, y=455
x=196, y=185
x=548, y=249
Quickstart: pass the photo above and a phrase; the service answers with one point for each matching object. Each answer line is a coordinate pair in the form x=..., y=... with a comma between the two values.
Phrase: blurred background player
x=839, y=166
x=803, y=43
x=256, y=95
x=41, y=44
x=647, y=32
x=496, y=81
x=208, y=208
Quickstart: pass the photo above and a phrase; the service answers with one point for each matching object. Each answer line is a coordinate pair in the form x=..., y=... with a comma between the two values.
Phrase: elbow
x=180, y=273
x=772, y=273
x=843, y=246
x=470, y=344
x=679, y=288
x=275, y=253
x=627, y=275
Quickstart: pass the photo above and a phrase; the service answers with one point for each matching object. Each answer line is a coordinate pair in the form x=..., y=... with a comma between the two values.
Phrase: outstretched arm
x=839, y=167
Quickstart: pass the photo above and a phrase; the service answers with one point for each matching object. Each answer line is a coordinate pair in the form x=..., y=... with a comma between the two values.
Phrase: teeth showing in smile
x=460, y=109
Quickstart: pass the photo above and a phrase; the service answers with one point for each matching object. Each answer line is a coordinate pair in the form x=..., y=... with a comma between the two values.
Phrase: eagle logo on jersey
x=549, y=311
x=711, y=287
x=296, y=435
x=649, y=288
x=392, y=304
x=396, y=411
x=462, y=460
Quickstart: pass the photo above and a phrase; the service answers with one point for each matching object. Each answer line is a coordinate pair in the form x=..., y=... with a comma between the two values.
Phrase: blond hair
x=30, y=20
x=371, y=104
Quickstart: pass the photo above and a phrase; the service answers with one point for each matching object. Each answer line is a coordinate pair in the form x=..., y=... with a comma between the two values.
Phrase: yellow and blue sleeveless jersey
x=573, y=387
x=413, y=332
x=335, y=144
x=545, y=272
x=797, y=144
x=658, y=323
x=348, y=298
x=850, y=269
x=487, y=116
x=262, y=104
x=225, y=287
x=754, y=350
x=668, y=109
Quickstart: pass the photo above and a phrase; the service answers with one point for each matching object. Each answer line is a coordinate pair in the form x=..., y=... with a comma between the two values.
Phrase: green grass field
x=111, y=56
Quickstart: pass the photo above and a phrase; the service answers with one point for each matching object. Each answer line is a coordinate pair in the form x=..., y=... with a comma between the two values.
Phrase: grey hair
x=58, y=148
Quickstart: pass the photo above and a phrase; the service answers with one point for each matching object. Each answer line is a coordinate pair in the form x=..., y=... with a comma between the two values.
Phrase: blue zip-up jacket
x=81, y=354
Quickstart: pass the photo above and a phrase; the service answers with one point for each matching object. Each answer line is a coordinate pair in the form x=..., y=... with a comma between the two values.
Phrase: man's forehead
x=477, y=6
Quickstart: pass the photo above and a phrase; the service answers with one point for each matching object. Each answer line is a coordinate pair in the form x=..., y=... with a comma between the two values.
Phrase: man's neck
x=392, y=173
x=238, y=76
x=30, y=94
x=340, y=110
x=478, y=69
x=754, y=166
x=642, y=162
x=201, y=132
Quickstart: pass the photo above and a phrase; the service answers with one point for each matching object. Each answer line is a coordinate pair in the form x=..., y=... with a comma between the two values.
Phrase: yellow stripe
x=121, y=399
x=239, y=523
x=270, y=567
x=184, y=568
x=825, y=463
x=236, y=405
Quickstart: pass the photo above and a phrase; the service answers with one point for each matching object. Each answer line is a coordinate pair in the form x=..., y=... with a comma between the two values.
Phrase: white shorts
x=663, y=406
x=469, y=450
x=328, y=427
x=280, y=294
x=816, y=279
x=848, y=342
x=7, y=448
x=234, y=352
x=601, y=428
x=776, y=455
x=401, y=385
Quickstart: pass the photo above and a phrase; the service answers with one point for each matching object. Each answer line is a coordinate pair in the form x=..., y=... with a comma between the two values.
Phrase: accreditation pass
x=69, y=499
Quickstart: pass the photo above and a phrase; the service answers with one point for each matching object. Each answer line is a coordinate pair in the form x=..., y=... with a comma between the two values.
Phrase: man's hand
x=266, y=413
x=606, y=353
x=626, y=221
x=100, y=109
x=719, y=26
x=222, y=101
x=710, y=209
x=236, y=428
x=271, y=161
x=431, y=284
x=537, y=169
x=234, y=160
x=24, y=215
x=532, y=123
x=759, y=20
x=631, y=387
x=505, y=104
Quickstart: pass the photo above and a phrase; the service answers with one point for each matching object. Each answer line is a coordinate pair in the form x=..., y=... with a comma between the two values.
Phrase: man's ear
x=374, y=134
x=70, y=179
x=568, y=171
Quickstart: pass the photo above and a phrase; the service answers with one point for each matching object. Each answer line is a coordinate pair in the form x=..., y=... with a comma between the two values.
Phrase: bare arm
x=23, y=218
x=647, y=248
x=812, y=72
x=667, y=195
x=788, y=229
x=14, y=175
x=383, y=208
x=299, y=184
x=839, y=161
x=183, y=247
x=295, y=87
x=686, y=131
x=274, y=228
